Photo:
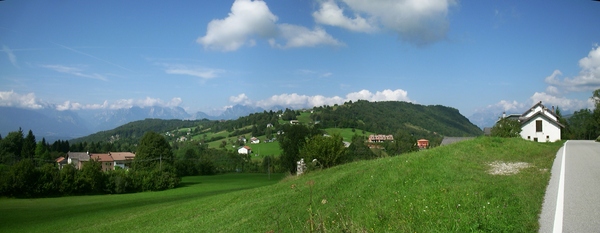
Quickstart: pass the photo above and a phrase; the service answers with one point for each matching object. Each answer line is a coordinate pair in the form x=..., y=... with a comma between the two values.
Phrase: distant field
x=445, y=189
x=347, y=133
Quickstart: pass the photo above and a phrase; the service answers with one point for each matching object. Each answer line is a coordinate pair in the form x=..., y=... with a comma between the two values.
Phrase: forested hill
x=393, y=116
x=135, y=130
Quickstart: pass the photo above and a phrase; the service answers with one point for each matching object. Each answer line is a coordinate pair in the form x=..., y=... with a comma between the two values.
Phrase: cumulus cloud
x=297, y=101
x=12, y=99
x=331, y=14
x=75, y=71
x=239, y=99
x=147, y=102
x=420, y=22
x=588, y=78
x=565, y=104
x=298, y=36
x=246, y=20
x=249, y=20
x=11, y=56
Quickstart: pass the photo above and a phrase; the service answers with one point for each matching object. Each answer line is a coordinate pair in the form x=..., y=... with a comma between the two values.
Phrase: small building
x=254, y=140
x=122, y=159
x=77, y=159
x=380, y=138
x=108, y=163
x=269, y=125
x=540, y=124
x=422, y=143
x=245, y=150
x=294, y=122
x=60, y=162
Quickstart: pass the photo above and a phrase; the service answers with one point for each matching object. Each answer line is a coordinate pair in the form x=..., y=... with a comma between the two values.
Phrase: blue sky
x=475, y=56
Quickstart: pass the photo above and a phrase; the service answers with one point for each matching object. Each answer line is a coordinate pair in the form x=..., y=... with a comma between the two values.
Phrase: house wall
x=552, y=131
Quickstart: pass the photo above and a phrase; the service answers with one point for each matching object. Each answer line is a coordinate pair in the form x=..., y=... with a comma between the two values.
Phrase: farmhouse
x=78, y=158
x=380, y=138
x=245, y=150
x=422, y=143
x=108, y=163
x=539, y=124
x=254, y=140
x=122, y=159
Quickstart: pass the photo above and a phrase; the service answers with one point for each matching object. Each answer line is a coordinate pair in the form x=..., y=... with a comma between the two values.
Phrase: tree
x=154, y=152
x=507, y=128
x=358, y=150
x=565, y=133
x=12, y=145
x=583, y=125
x=28, y=148
x=291, y=141
x=328, y=151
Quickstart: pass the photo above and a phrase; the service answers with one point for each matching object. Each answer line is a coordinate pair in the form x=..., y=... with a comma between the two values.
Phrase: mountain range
x=55, y=125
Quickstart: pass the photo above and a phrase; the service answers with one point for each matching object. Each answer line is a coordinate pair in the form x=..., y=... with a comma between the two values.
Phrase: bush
x=598, y=139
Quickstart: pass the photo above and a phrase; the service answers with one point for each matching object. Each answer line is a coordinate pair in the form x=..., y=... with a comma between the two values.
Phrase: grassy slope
x=442, y=189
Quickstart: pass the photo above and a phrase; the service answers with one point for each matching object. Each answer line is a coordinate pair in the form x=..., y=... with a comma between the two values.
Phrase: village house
x=254, y=140
x=422, y=143
x=60, y=162
x=77, y=159
x=540, y=124
x=380, y=138
x=108, y=163
x=245, y=150
x=122, y=159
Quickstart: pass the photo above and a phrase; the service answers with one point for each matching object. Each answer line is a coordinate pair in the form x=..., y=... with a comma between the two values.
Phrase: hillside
x=401, y=119
x=391, y=116
x=445, y=189
x=133, y=131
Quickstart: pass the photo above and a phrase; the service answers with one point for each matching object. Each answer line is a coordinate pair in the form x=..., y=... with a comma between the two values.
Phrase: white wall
x=548, y=129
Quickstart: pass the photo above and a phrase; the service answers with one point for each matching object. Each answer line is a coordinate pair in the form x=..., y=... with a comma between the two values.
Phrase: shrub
x=598, y=139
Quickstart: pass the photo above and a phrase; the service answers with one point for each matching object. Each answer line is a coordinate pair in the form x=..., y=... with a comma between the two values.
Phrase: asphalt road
x=572, y=201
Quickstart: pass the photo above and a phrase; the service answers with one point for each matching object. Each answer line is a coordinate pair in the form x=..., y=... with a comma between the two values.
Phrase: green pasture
x=444, y=189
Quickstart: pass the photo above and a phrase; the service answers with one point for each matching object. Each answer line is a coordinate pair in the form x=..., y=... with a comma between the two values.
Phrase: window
x=538, y=126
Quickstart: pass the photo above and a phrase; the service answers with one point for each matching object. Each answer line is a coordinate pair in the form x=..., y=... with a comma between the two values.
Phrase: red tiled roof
x=60, y=159
x=102, y=157
x=122, y=156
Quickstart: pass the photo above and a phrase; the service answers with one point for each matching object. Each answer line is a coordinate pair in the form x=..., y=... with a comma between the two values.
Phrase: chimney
x=503, y=115
x=553, y=109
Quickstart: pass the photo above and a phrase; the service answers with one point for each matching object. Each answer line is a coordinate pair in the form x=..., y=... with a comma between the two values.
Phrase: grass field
x=445, y=189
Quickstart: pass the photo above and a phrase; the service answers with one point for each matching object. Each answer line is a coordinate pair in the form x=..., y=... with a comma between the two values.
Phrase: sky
x=475, y=56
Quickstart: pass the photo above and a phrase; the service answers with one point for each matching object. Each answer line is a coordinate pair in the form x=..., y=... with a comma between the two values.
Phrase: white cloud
x=420, y=22
x=331, y=14
x=200, y=72
x=297, y=101
x=147, y=102
x=385, y=95
x=249, y=20
x=75, y=71
x=12, y=99
x=588, y=78
x=299, y=36
x=11, y=56
x=565, y=104
x=239, y=99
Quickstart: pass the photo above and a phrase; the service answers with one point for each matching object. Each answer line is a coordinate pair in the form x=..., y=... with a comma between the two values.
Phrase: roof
x=539, y=104
x=81, y=156
x=247, y=147
x=524, y=121
x=422, y=140
x=102, y=157
x=61, y=160
x=121, y=156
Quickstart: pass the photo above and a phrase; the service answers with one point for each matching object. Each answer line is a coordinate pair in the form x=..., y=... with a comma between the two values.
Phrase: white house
x=245, y=150
x=540, y=124
x=254, y=140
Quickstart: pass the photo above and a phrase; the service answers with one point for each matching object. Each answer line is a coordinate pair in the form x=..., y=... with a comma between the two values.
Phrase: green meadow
x=444, y=189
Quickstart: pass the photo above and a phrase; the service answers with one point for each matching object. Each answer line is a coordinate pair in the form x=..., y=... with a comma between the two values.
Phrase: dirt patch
x=503, y=168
